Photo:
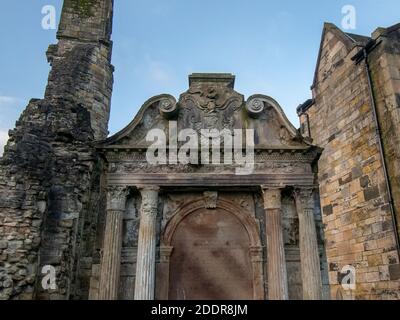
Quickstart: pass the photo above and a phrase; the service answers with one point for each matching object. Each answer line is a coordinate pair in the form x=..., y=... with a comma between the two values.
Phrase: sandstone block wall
x=384, y=63
x=358, y=223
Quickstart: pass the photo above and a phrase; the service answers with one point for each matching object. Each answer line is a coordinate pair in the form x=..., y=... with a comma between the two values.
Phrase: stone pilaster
x=163, y=273
x=111, y=259
x=256, y=254
x=309, y=252
x=277, y=276
x=146, y=255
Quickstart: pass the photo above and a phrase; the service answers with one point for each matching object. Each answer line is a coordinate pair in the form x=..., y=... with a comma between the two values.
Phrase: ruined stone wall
x=85, y=48
x=358, y=224
x=50, y=182
x=384, y=63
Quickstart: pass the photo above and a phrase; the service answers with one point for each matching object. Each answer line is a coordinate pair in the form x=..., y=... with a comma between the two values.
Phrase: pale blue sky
x=271, y=47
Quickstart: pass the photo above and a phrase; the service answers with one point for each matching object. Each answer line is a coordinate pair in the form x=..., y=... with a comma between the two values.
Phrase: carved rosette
x=116, y=198
x=255, y=107
x=168, y=108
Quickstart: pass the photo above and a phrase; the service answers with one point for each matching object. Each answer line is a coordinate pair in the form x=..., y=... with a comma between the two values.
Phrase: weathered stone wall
x=358, y=223
x=50, y=191
x=384, y=63
x=85, y=47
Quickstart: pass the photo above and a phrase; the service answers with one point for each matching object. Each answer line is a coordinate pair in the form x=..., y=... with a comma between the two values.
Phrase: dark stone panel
x=365, y=182
x=371, y=193
x=394, y=271
x=328, y=210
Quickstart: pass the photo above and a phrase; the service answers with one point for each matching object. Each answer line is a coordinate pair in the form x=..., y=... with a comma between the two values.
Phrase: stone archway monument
x=209, y=199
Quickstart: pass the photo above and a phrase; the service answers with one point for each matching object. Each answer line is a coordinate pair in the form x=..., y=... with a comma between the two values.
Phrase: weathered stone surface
x=49, y=174
x=352, y=184
x=55, y=172
x=277, y=270
x=146, y=255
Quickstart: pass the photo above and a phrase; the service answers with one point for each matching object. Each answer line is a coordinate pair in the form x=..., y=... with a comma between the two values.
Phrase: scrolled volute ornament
x=168, y=107
x=255, y=107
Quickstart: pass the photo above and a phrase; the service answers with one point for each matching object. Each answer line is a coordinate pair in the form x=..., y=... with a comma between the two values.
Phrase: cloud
x=3, y=141
x=158, y=72
x=6, y=102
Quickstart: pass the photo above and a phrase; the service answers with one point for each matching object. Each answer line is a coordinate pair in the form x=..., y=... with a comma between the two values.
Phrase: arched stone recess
x=249, y=223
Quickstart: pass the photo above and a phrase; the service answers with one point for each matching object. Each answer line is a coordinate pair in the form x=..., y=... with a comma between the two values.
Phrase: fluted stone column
x=309, y=252
x=146, y=254
x=277, y=274
x=111, y=259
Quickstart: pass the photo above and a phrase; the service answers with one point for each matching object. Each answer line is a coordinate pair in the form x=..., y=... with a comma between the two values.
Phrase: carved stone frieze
x=278, y=167
x=261, y=155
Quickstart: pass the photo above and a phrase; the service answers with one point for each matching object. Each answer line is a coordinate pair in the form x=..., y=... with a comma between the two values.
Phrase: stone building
x=353, y=116
x=95, y=214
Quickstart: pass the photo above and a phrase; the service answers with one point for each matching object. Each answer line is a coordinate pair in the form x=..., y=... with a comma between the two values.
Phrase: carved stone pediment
x=212, y=103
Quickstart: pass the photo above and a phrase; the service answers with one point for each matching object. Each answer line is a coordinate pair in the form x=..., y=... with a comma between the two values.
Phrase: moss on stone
x=83, y=7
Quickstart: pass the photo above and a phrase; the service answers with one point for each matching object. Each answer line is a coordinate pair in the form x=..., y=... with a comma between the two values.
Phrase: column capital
x=149, y=200
x=116, y=197
x=272, y=197
x=304, y=196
